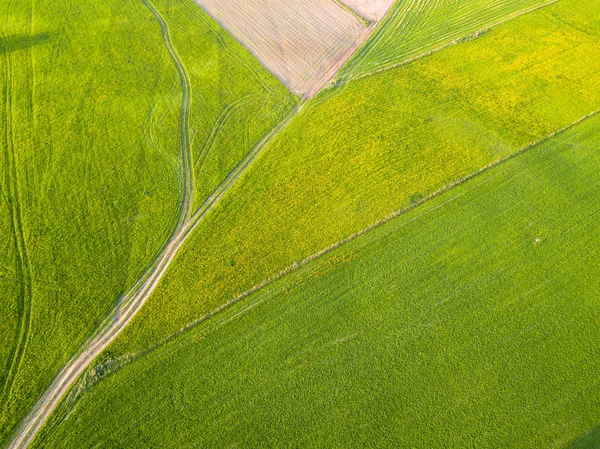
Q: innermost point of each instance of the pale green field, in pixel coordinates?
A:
(470, 321)
(359, 153)
(415, 27)
(92, 162)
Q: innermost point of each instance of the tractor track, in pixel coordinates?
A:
(22, 266)
(186, 104)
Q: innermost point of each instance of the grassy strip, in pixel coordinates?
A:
(467, 322)
(364, 21)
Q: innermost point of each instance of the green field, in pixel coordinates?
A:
(413, 28)
(408, 259)
(359, 153)
(470, 321)
(94, 142)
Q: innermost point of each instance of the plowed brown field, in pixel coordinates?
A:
(303, 42)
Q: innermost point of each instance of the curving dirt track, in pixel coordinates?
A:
(186, 103)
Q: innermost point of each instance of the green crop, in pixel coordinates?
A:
(470, 321)
(413, 28)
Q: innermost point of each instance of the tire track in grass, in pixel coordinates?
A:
(22, 266)
(184, 123)
(156, 115)
(222, 120)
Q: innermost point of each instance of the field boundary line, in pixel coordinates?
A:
(297, 265)
(321, 80)
(345, 80)
(223, 26)
(373, 39)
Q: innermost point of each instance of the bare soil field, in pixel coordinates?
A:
(373, 10)
(303, 42)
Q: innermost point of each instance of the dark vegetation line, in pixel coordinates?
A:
(22, 267)
(364, 21)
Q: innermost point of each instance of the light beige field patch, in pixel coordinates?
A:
(369, 9)
(303, 42)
